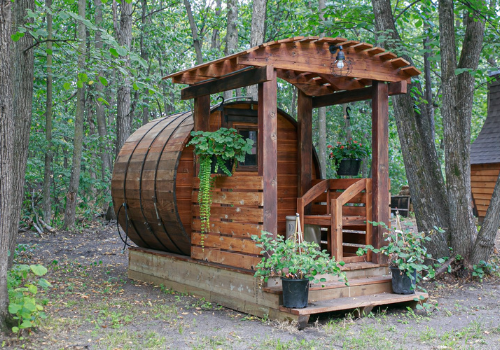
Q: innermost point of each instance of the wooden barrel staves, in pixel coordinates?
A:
(144, 184)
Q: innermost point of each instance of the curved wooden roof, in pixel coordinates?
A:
(306, 63)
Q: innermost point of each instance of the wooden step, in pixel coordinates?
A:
(338, 289)
(362, 302)
(326, 220)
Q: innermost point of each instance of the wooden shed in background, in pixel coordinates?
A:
(485, 152)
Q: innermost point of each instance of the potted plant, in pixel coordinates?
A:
(347, 156)
(298, 263)
(218, 149)
(407, 254)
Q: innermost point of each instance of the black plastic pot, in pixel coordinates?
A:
(295, 293)
(402, 283)
(229, 164)
(349, 167)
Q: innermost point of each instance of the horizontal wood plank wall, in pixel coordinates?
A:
(237, 211)
(483, 180)
(236, 214)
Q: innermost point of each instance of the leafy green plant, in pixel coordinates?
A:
(223, 145)
(405, 249)
(482, 269)
(24, 304)
(347, 150)
(290, 258)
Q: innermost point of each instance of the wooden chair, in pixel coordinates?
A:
(325, 205)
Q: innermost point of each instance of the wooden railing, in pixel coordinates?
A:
(334, 207)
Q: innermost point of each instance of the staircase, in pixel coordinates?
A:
(343, 207)
(369, 286)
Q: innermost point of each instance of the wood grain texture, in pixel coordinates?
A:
(268, 143)
(380, 163)
(305, 146)
(234, 81)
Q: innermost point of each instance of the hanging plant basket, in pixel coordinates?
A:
(349, 167)
(229, 164)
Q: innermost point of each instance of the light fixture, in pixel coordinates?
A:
(341, 66)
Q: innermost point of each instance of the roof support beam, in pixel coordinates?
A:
(396, 88)
(234, 81)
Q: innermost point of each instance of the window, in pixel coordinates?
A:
(251, 162)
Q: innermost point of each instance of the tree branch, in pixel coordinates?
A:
(406, 8)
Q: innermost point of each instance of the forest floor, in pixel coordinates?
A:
(93, 305)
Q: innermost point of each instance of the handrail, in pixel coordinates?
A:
(315, 192)
(351, 191)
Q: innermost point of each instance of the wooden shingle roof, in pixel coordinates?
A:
(306, 63)
(486, 148)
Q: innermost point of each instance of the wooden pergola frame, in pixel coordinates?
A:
(306, 63)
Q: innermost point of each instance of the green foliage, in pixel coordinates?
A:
(482, 269)
(290, 258)
(223, 144)
(24, 304)
(405, 249)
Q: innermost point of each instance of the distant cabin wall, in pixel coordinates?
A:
(483, 179)
(237, 211)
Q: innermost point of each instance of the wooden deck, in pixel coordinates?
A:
(238, 289)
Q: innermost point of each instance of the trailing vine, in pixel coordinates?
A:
(221, 145)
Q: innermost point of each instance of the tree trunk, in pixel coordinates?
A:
(428, 84)
(99, 110)
(145, 57)
(232, 34)
(322, 140)
(422, 164)
(257, 34)
(47, 204)
(215, 44)
(123, 120)
(322, 113)
(74, 182)
(456, 112)
(194, 32)
(6, 153)
(22, 106)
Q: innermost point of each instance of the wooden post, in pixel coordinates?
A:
(268, 148)
(304, 133)
(201, 116)
(201, 113)
(380, 164)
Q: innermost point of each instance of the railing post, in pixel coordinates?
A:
(336, 229)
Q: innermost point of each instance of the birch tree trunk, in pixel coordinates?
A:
(47, 203)
(257, 34)
(23, 100)
(123, 118)
(6, 150)
(231, 34)
(74, 182)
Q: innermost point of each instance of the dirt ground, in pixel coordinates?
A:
(93, 305)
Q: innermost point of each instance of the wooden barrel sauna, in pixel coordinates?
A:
(153, 177)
